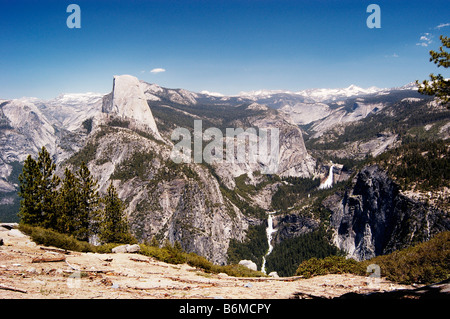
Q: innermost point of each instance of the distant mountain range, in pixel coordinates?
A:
(316, 95)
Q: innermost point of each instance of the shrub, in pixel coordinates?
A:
(237, 271)
(169, 254)
(329, 265)
(424, 263)
(49, 237)
(197, 261)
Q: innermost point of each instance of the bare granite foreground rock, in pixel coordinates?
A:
(16, 233)
(133, 248)
(126, 249)
(119, 249)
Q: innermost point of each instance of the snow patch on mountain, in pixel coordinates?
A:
(182, 96)
(257, 107)
(316, 95)
(260, 94)
(409, 86)
(329, 95)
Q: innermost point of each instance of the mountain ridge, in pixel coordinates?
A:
(317, 94)
(153, 89)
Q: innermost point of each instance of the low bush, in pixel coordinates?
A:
(238, 271)
(329, 265)
(234, 270)
(47, 237)
(424, 263)
(166, 254)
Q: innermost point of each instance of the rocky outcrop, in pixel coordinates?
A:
(374, 218)
(249, 264)
(128, 100)
(126, 249)
(28, 124)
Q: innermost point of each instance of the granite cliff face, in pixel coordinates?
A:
(290, 159)
(374, 218)
(128, 100)
(24, 125)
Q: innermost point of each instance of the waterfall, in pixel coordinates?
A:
(269, 232)
(329, 181)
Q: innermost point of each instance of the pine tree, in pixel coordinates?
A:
(47, 188)
(69, 204)
(90, 213)
(38, 189)
(438, 85)
(114, 227)
(29, 211)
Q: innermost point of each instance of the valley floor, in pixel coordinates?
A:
(27, 271)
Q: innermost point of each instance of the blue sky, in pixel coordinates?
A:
(223, 46)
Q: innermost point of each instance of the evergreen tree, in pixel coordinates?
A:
(73, 209)
(438, 85)
(29, 211)
(90, 213)
(69, 204)
(47, 188)
(38, 189)
(114, 227)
